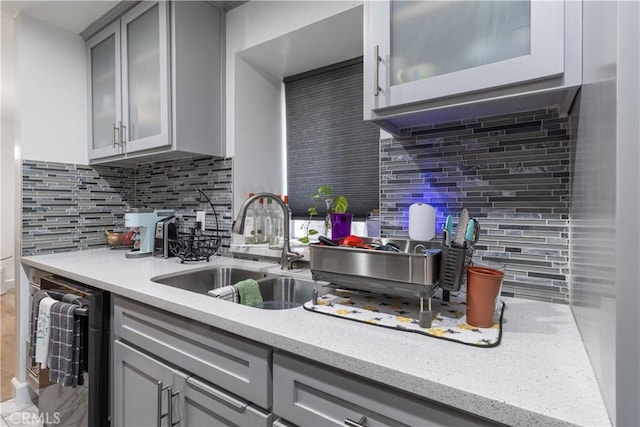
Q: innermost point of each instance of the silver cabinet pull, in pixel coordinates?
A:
(159, 405)
(114, 137)
(169, 412)
(376, 70)
(171, 396)
(123, 135)
(236, 403)
(362, 422)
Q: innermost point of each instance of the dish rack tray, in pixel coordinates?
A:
(411, 271)
(197, 247)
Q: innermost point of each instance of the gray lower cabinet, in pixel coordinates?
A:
(139, 398)
(214, 378)
(148, 392)
(167, 367)
(308, 394)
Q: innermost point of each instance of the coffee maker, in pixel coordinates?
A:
(145, 220)
(165, 231)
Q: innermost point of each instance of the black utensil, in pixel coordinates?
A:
(327, 242)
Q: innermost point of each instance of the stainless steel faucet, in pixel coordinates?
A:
(288, 256)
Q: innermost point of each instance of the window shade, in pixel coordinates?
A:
(328, 142)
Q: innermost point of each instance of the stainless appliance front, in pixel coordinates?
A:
(86, 404)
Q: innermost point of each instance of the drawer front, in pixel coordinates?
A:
(205, 405)
(239, 366)
(310, 394)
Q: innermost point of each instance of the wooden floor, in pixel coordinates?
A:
(7, 345)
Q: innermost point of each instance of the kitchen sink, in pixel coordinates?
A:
(203, 280)
(278, 292)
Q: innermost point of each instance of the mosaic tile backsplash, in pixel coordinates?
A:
(67, 207)
(511, 172)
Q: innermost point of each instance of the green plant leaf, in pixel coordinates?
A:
(303, 240)
(340, 204)
(312, 232)
(312, 211)
(324, 190)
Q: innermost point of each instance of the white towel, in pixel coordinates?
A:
(228, 293)
(43, 333)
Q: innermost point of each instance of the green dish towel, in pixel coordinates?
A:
(249, 292)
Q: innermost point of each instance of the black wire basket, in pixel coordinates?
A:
(198, 247)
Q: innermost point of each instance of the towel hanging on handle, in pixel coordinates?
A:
(35, 307)
(66, 335)
(227, 293)
(43, 331)
(249, 292)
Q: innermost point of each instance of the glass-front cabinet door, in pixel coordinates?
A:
(145, 76)
(425, 50)
(104, 92)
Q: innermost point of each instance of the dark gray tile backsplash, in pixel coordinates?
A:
(175, 184)
(511, 172)
(67, 207)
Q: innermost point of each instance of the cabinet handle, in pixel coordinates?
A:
(123, 134)
(116, 132)
(376, 70)
(362, 422)
(171, 396)
(159, 405)
(169, 412)
(238, 404)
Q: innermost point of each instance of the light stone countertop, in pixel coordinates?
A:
(538, 375)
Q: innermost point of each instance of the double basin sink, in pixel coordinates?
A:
(278, 292)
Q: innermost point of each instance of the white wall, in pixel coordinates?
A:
(52, 93)
(253, 98)
(255, 162)
(605, 264)
(7, 169)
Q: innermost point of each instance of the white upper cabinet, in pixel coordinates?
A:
(155, 84)
(423, 56)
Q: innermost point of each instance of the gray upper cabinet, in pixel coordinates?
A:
(422, 57)
(105, 103)
(155, 84)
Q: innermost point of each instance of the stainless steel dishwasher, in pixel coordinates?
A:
(86, 404)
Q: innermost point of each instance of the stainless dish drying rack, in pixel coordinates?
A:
(416, 269)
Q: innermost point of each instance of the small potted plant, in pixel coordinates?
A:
(337, 217)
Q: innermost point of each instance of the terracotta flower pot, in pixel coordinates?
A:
(483, 285)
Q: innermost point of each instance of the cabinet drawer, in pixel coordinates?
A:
(310, 394)
(239, 366)
(205, 405)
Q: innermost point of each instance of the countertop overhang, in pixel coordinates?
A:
(539, 375)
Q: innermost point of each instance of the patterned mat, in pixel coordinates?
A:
(398, 312)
